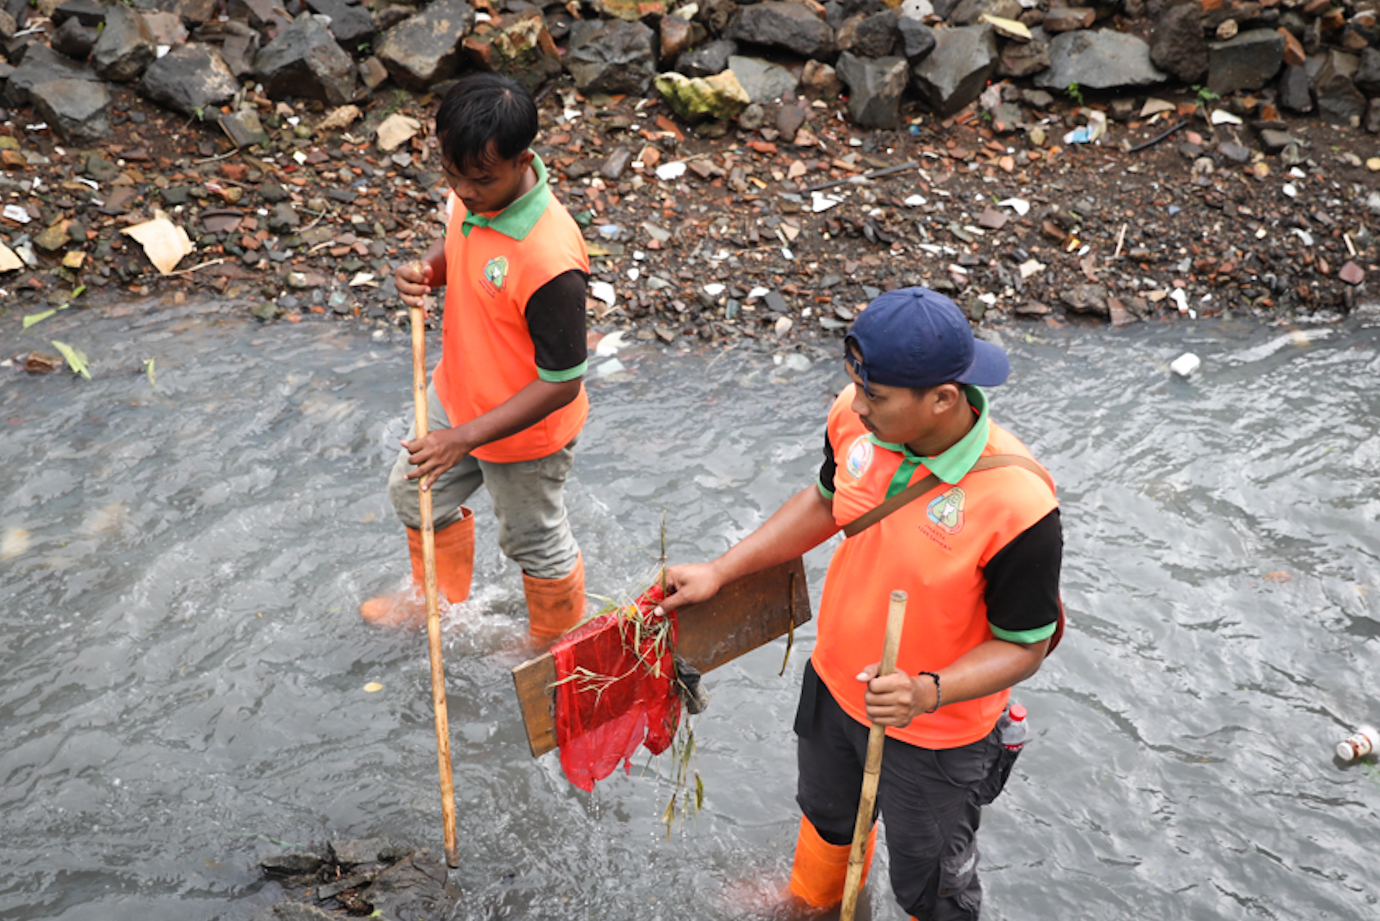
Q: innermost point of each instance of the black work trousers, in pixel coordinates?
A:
(931, 801)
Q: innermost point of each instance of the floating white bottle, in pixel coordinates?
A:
(1360, 743)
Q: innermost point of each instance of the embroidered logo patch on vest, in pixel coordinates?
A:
(859, 456)
(495, 274)
(946, 511)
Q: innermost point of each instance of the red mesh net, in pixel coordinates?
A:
(615, 691)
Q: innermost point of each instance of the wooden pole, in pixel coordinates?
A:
(433, 614)
(872, 770)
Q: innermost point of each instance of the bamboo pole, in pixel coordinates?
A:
(433, 615)
(872, 770)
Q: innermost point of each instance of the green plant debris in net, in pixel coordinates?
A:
(76, 358)
(648, 638)
(148, 372)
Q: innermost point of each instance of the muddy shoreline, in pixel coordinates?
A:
(702, 241)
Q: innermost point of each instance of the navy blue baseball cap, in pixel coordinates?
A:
(915, 337)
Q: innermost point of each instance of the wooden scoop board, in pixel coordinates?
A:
(745, 614)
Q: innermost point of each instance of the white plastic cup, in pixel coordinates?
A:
(1362, 742)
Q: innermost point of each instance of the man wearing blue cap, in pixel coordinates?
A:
(936, 500)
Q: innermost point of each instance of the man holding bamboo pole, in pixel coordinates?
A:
(507, 400)
(938, 501)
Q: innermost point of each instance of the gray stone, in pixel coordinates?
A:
(165, 28)
(791, 119)
(1328, 63)
(239, 48)
(1023, 59)
(425, 48)
(283, 218)
(708, 60)
(244, 128)
(272, 192)
(611, 57)
(970, 12)
(304, 61)
(1087, 299)
(1237, 153)
(789, 26)
(1273, 140)
(1372, 120)
(1295, 91)
(125, 48)
(1061, 18)
(77, 110)
(874, 36)
(40, 65)
(266, 15)
(715, 14)
(752, 118)
(874, 89)
(372, 73)
(1339, 101)
(350, 24)
(955, 73)
(7, 26)
(763, 80)
(189, 79)
(819, 81)
(1367, 76)
(1178, 46)
(74, 39)
(90, 13)
(189, 11)
(1100, 60)
(917, 39)
(1246, 62)
(100, 169)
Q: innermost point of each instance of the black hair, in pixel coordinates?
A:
(483, 109)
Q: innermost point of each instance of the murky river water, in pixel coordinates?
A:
(184, 669)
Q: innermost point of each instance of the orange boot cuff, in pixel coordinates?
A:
(555, 605)
(821, 868)
(454, 558)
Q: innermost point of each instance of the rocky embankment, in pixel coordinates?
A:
(755, 170)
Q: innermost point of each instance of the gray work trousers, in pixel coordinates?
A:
(529, 500)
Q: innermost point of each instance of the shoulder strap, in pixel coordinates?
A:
(920, 487)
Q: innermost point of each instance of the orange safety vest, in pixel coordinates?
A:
(934, 549)
(487, 354)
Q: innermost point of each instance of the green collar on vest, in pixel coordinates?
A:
(517, 220)
(954, 464)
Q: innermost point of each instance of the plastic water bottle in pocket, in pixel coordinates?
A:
(1014, 727)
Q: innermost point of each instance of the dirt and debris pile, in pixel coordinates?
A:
(372, 877)
(1118, 162)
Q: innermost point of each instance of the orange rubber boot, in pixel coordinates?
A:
(454, 572)
(555, 605)
(820, 868)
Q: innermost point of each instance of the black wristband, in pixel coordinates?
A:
(938, 692)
